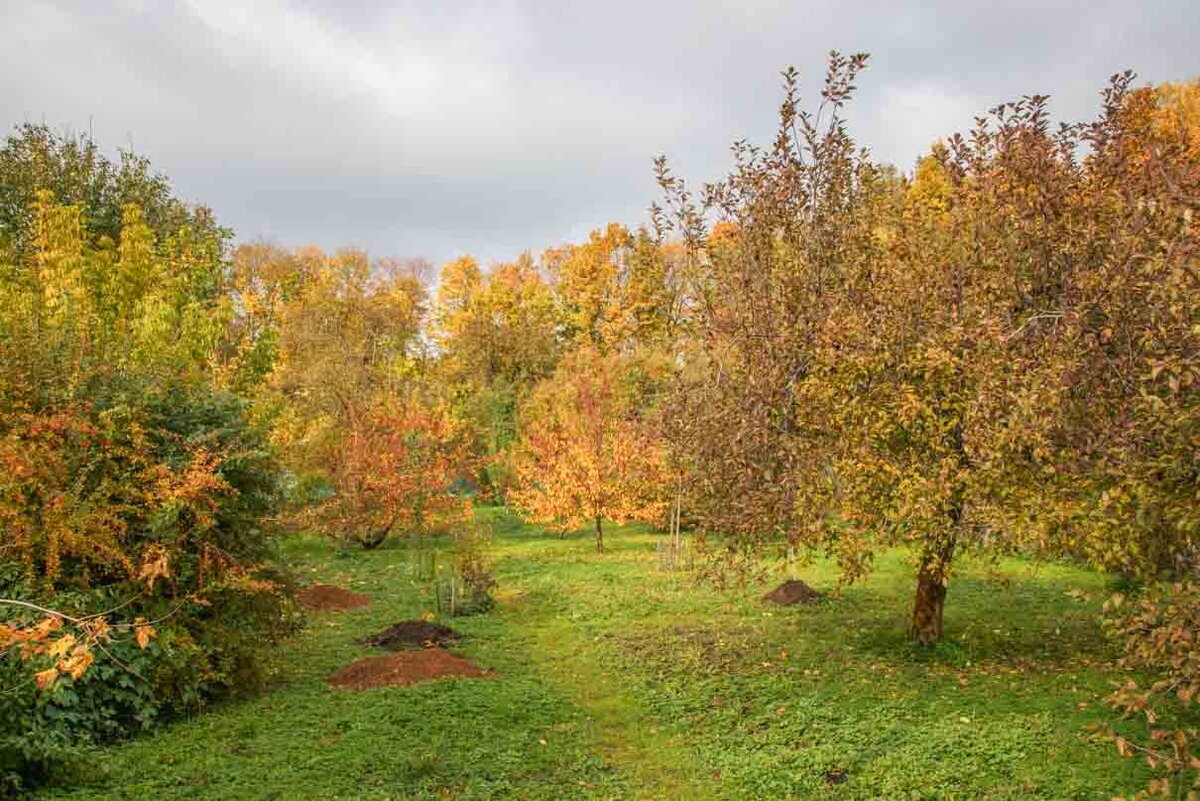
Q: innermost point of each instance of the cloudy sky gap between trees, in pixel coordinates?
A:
(434, 129)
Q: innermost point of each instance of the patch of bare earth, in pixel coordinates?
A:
(412, 634)
(328, 598)
(404, 668)
(793, 592)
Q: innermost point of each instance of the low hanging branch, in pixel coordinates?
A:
(67, 642)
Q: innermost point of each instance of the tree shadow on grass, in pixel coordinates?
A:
(1039, 621)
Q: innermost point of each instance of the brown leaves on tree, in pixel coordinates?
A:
(999, 351)
(1161, 635)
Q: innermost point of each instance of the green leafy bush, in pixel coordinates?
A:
(136, 576)
(215, 612)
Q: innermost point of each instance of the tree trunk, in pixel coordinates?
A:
(926, 627)
(599, 535)
(373, 540)
(930, 603)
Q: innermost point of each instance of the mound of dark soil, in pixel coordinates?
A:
(793, 592)
(328, 598)
(835, 777)
(404, 668)
(412, 634)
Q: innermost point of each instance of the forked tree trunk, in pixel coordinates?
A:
(374, 539)
(599, 535)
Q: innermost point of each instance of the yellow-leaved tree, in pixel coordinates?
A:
(587, 456)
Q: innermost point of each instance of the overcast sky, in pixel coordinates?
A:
(440, 128)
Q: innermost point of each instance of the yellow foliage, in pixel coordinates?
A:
(586, 457)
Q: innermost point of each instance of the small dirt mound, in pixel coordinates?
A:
(835, 777)
(404, 668)
(328, 598)
(412, 634)
(793, 592)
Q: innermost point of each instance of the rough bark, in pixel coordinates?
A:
(599, 535)
(930, 603)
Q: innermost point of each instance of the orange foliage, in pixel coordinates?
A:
(394, 468)
(78, 490)
(65, 645)
(586, 456)
(73, 488)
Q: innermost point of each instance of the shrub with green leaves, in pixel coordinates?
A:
(136, 580)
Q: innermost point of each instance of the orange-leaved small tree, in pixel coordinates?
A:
(394, 468)
(586, 457)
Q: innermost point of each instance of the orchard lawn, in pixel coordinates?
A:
(615, 679)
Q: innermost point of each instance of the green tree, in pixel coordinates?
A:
(75, 171)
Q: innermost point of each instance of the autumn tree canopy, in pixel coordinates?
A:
(587, 457)
(997, 351)
(935, 359)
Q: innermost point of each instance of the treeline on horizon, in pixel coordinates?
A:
(998, 352)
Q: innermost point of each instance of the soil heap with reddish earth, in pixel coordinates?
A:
(404, 668)
(328, 598)
(412, 634)
(793, 592)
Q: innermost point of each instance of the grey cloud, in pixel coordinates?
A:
(433, 129)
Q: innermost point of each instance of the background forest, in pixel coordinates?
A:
(818, 356)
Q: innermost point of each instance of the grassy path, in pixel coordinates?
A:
(461, 739)
(719, 696)
(619, 681)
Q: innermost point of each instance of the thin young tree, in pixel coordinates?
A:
(586, 457)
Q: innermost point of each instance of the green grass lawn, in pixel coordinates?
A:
(617, 680)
